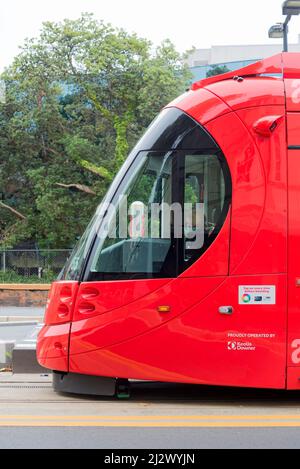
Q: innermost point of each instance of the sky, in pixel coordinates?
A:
(201, 23)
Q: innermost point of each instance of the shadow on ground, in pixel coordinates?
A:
(185, 393)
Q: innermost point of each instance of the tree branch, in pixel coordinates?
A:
(12, 210)
(98, 170)
(79, 187)
(92, 168)
(56, 153)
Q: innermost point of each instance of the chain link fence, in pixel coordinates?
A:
(31, 265)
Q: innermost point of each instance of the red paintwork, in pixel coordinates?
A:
(141, 316)
(293, 95)
(53, 347)
(271, 232)
(293, 122)
(189, 349)
(115, 329)
(251, 92)
(203, 106)
(290, 63)
(110, 296)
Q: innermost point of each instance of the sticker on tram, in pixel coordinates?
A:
(257, 295)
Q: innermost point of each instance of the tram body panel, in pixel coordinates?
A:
(203, 346)
(272, 234)
(249, 92)
(293, 125)
(248, 180)
(103, 330)
(290, 62)
(292, 86)
(202, 105)
(97, 298)
(53, 347)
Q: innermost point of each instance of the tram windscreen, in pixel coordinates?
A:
(137, 242)
(164, 210)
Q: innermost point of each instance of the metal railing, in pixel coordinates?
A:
(44, 264)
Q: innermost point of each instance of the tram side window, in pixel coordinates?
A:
(204, 202)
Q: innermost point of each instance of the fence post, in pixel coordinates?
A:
(4, 261)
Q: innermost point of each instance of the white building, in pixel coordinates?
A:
(234, 57)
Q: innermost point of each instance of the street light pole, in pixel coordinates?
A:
(286, 33)
(281, 30)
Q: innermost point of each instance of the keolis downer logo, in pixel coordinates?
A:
(231, 346)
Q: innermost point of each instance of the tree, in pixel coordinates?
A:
(217, 70)
(78, 98)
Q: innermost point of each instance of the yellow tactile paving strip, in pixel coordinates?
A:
(208, 421)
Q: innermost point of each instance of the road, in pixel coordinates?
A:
(156, 417)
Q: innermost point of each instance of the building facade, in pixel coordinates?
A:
(200, 61)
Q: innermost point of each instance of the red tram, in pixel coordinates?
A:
(225, 311)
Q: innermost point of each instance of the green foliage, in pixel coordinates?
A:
(12, 277)
(217, 70)
(78, 98)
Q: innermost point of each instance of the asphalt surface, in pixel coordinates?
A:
(156, 417)
(118, 439)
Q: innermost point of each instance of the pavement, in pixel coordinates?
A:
(15, 332)
(158, 416)
(17, 323)
(14, 314)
